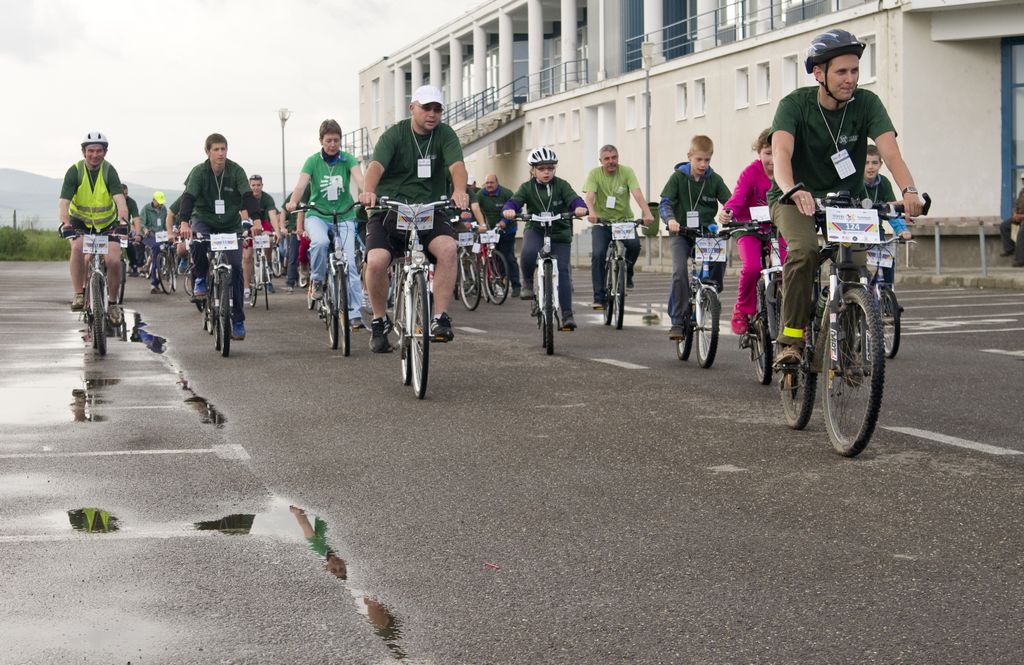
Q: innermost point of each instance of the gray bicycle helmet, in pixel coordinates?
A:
(830, 44)
(95, 138)
(542, 156)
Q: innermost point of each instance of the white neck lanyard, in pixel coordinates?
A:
(839, 132)
(425, 152)
(547, 208)
(689, 194)
(218, 182)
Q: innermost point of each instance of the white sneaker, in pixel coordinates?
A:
(247, 293)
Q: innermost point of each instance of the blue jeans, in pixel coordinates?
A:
(679, 295)
(200, 266)
(154, 252)
(601, 238)
(293, 260)
(319, 243)
(507, 247)
(533, 241)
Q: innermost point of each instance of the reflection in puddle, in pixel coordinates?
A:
(210, 414)
(82, 405)
(92, 520)
(295, 523)
(154, 343)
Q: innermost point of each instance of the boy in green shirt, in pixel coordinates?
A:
(692, 193)
(544, 192)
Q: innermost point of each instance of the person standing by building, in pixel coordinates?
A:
(1011, 248)
(487, 205)
(607, 190)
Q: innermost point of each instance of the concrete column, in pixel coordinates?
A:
(570, 75)
(400, 105)
(417, 73)
(653, 17)
(479, 59)
(435, 68)
(705, 24)
(506, 46)
(535, 35)
(455, 65)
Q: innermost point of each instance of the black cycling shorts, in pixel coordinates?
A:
(382, 234)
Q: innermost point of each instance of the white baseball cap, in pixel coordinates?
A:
(428, 94)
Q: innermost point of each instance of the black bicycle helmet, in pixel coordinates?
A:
(830, 44)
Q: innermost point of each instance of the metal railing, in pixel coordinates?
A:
(732, 22)
(358, 143)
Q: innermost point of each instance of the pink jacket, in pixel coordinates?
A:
(751, 190)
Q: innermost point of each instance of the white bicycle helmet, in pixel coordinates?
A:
(542, 156)
(95, 138)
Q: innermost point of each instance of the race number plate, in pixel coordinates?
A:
(92, 244)
(220, 242)
(421, 218)
(261, 241)
(882, 256)
(476, 248)
(466, 239)
(760, 214)
(710, 250)
(854, 225)
(624, 231)
(124, 242)
(489, 238)
(161, 236)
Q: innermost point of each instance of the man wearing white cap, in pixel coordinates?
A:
(410, 163)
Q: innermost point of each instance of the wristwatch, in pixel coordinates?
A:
(910, 190)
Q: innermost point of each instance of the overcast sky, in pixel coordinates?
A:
(158, 76)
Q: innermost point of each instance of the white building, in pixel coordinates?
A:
(570, 74)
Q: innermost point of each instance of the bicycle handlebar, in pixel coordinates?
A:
(886, 209)
(304, 207)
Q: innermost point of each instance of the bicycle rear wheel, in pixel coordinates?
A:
(708, 314)
(469, 280)
(685, 345)
(98, 294)
(889, 308)
(548, 312)
(760, 350)
(419, 346)
(497, 281)
(768, 301)
(797, 388)
(224, 315)
(619, 300)
(856, 377)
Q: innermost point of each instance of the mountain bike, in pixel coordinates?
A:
(166, 264)
(333, 308)
(216, 307)
(702, 316)
(880, 257)
(96, 245)
(468, 283)
(615, 270)
(851, 354)
(546, 307)
(259, 281)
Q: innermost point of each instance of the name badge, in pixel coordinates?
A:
(843, 163)
(760, 214)
(609, 202)
(218, 206)
(124, 242)
(161, 236)
(692, 219)
(332, 192)
(423, 167)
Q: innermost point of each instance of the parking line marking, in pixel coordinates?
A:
(471, 330)
(954, 441)
(960, 332)
(1004, 352)
(619, 363)
(231, 451)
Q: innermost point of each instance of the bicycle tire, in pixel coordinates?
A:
(331, 305)
(610, 270)
(469, 281)
(498, 283)
(856, 379)
(265, 279)
(403, 336)
(770, 304)
(420, 335)
(276, 267)
(619, 301)
(889, 308)
(224, 314)
(685, 345)
(161, 272)
(343, 317)
(760, 350)
(98, 293)
(172, 269)
(124, 280)
(707, 327)
(548, 312)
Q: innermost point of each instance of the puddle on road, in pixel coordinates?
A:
(210, 414)
(291, 523)
(154, 343)
(92, 520)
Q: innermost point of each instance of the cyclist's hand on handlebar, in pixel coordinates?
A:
(912, 204)
(581, 212)
(368, 199)
(906, 235)
(508, 214)
(725, 215)
(257, 228)
(184, 230)
(592, 218)
(673, 226)
(481, 228)
(804, 202)
(648, 218)
(461, 200)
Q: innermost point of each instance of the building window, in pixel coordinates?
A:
(630, 113)
(790, 74)
(528, 133)
(561, 128)
(742, 88)
(680, 101)
(375, 96)
(764, 83)
(1013, 122)
(699, 96)
(575, 125)
(868, 60)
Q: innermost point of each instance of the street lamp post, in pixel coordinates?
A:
(284, 114)
(647, 50)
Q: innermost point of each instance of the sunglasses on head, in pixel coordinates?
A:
(256, 177)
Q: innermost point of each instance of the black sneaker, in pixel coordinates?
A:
(675, 333)
(379, 342)
(629, 283)
(568, 323)
(441, 328)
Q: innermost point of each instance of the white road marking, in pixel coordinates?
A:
(1018, 354)
(973, 296)
(559, 406)
(471, 330)
(142, 407)
(960, 332)
(93, 537)
(968, 304)
(227, 451)
(726, 468)
(954, 441)
(231, 451)
(957, 317)
(619, 363)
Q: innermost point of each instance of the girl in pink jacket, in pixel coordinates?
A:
(751, 190)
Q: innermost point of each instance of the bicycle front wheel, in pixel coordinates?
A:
(276, 265)
(469, 280)
(548, 311)
(889, 308)
(98, 294)
(224, 315)
(331, 305)
(341, 298)
(619, 300)
(610, 271)
(856, 375)
(797, 388)
(162, 275)
(124, 279)
(708, 314)
(497, 281)
(419, 346)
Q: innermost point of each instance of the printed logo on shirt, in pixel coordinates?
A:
(328, 180)
(845, 139)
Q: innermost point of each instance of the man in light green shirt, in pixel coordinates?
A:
(607, 191)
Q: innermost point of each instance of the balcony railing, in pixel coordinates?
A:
(358, 143)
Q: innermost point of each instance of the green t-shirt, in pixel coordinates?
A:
(398, 151)
(800, 114)
(880, 191)
(175, 207)
(153, 219)
(207, 188)
(110, 177)
(491, 205)
(289, 217)
(555, 197)
(322, 176)
(266, 204)
(686, 194)
(619, 184)
(133, 207)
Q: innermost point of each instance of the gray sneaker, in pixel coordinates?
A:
(318, 290)
(526, 294)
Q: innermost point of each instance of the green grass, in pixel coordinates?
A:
(32, 245)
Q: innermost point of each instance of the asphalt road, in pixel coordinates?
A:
(288, 505)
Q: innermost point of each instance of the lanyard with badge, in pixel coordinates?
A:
(616, 183)
(841, 159)
(693, 216)
(551, 195)
(218, 205)
(423, 163)
(334, 184)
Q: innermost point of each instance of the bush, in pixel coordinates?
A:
(32, 245)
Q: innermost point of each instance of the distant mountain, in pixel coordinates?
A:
(35, 197)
